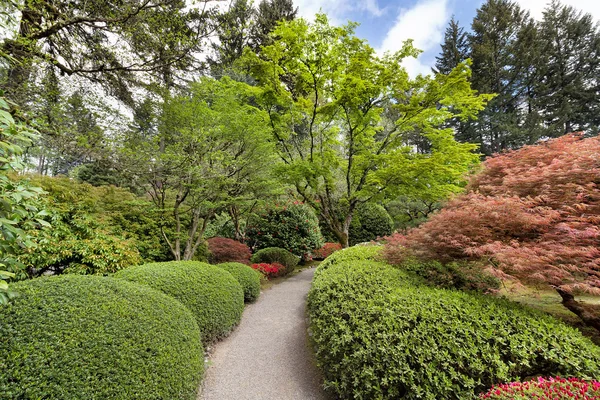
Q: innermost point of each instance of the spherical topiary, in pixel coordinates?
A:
(90, 337)
(370, 222)
(291, 226)
(276, 255)
(247, 277)
(212, 294)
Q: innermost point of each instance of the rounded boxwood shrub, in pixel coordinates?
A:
(276, 255)
(248, 278)
(350, 255)
(370, 221)
(212, 294)
(90, 337)
(378, 335)
(290, 226)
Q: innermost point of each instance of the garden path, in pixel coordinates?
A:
(268, 356)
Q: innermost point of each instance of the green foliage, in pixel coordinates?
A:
(208, 150)
(276, 255)
(248, 278)
(212, 294)
(452, 275)
(19, 208)
(352, 255)
(370, 221)
(352, 127)
(378, 335)
(290, 226)
(407, 212)
(95, 230)
(85, 337)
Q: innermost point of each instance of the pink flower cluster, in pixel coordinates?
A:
(545, 389)
(269, 270)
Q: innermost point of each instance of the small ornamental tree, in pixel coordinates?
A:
(290, 226)
(532, 214)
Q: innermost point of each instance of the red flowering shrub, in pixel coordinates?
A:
(545, 389)
(227, 250)
(325, 251)
(533, 214)
(269, 270)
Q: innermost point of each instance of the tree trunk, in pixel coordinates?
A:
(589, 314)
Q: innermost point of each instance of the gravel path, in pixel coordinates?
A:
(267, 357)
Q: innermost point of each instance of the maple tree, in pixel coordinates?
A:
(531, 214)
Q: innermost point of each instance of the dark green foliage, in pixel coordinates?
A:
(370, 221)
(86, 337)
(268, 14)
(248, 278)
(291, 226)
(212, 294)
(455, 48)
(272, 255)
(379, 335)
(453, 275)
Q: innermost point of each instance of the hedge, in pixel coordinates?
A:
(351, 254)
(276, 255)
(248, 278)
(370, 222)
(379, 335)
(90, 337)
(212, 294)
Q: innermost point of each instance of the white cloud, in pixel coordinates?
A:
(424, 23)
(336, 10)
(536, 7)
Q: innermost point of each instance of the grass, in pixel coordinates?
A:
(549, 302)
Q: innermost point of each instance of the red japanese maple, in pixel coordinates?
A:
(533, 214)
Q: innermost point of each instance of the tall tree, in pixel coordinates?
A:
(568, 85)
(455, 48)
(502, 44)
(342, 118)
(233, 28)
(115, 43)
(269, 13)
(210, 146)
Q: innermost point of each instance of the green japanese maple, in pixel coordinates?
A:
(352, 127)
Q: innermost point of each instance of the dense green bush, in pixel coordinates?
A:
(453, 275)
(248, 278)
(370, 221)
(351, 255)
(94, 230)
(378, 335)
(291, 226)
(212, 294)
(89, 337)
(276, 255)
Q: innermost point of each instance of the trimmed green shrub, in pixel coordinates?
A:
(290, 226)
(378, 335)
(90, 337)
(276, 255)
(212, 294)
(350, 255)
(370, 221)
(248, 278)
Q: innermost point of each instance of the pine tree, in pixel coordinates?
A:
(233, 28)
(502, 46)
(269, 13)
(569, 69)
(455, 48)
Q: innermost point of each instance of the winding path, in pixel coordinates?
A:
(268, 356)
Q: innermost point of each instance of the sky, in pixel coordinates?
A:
(385, 24)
